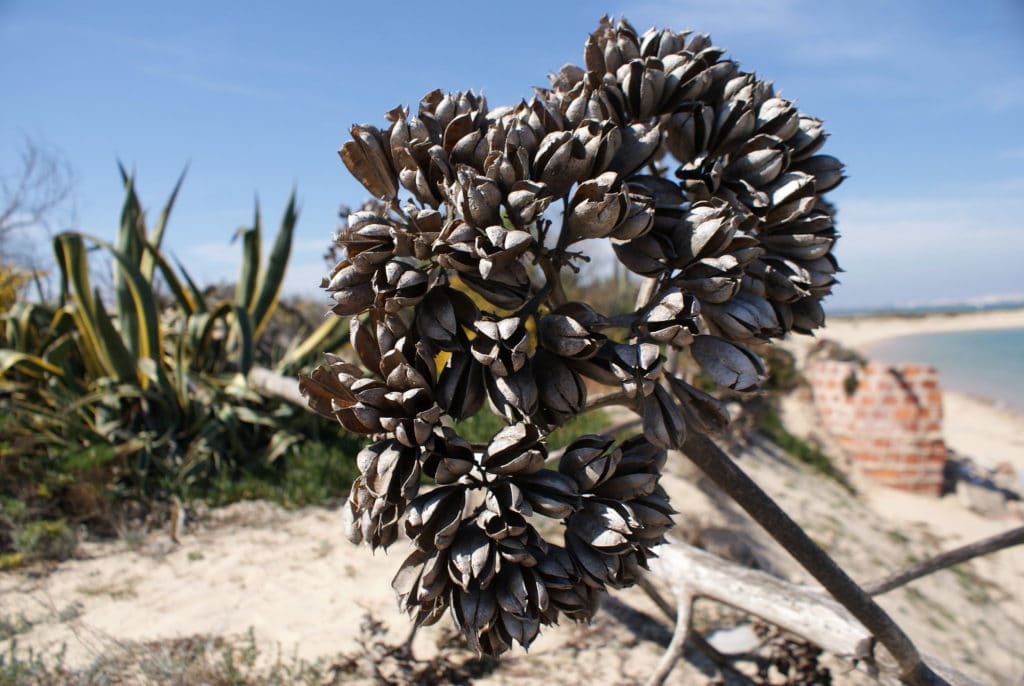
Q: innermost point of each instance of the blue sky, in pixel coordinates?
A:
(924, 101)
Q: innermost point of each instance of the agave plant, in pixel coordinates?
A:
(706, 182)
(160, 378)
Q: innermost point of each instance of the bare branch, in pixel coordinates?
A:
(611, 398)
(677, 646)
(949, 558)
(270, 383)
(30, 195)
(796, 608)
(554, 279)
(702, 451)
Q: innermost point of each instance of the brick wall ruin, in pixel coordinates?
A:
(887, 419)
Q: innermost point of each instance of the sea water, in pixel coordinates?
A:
(989, 364)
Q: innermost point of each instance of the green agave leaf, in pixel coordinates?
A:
(148, 262)
(244, 338)
(251, 416)
(144, 304)
(69, 249)
(184, 298)
(197, 295)
(280, 443)
(122, 359)
(273, 276)
(130, 239)
(330, 335)
(252, 242)
(191, 350)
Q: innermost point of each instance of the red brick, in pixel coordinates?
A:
(904, 413)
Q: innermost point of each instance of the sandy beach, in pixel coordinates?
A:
(292, 580)
(861, 332)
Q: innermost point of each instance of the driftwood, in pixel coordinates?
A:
(721, 469)
(802, 610)
(269, 383)
(798, 609)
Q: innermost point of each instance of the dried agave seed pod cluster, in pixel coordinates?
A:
(705, 181)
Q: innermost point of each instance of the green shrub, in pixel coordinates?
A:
(46, 539)
(140, 393)
(317, 472)
(783, 375)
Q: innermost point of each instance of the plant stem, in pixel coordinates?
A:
(947, 559)
(611, 398)
(554, 280)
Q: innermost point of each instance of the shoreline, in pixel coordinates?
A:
(862, 332)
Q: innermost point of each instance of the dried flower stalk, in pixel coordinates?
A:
(704, 180)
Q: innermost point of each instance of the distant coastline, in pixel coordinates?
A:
(860, 332)
(988, 304)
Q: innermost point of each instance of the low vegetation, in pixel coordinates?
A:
(120, 396)
(240, 661)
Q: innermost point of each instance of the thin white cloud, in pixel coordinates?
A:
(204, 83)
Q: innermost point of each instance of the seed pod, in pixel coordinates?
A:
(562, 159)
(590, 460)
(597, 208)
(640, 143)
(367, 160)
(448, 457)
(566, 336)
(501, 346)
(637, 367)
(434, 518)
(442, 316)
(703, 413)
(742, 318)
(515, 449)
(672, 319)
(561, 392)
(460, 386)
(728, 364)
(526, 202)
(515, 396)
(663, 421)
(550, 493)
(478, 198)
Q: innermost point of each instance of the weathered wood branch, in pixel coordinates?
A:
(268, 382)
(799, 609)
(949, 558)
(720, 468)
(677, 646)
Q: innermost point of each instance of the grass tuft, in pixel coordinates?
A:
(771, 425)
